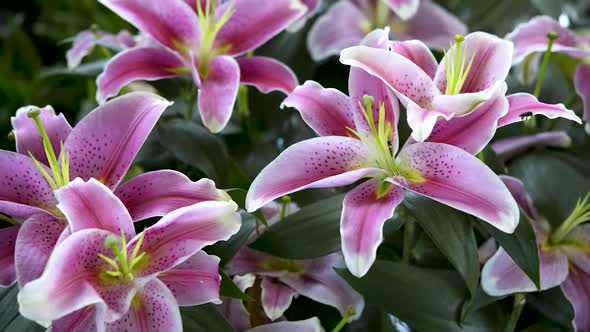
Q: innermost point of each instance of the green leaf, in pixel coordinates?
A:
(238, 195)
(204, 318)
(451, 231)
(10, 318)
(311, 232)
(480, 300)
(553, 304)
(426, 299)
(196, 146)
(226, 250)
(91, 69)
(521, 246)
(229, 289)
(554, 180)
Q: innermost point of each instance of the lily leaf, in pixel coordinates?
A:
(311, 232)
(229, 289)
(204, 318)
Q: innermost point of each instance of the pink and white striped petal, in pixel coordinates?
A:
(27, 136)
(218, 92)
(511, 147)
(361, 223)
(327, 111)
(8, 237)
(417, 52)
(154, 309)
(320, 162)
(267, 74)
(23, 189)
(141, 63)
(195, 281)
(84, 204)
(184, 232)
(456, 178)
(523, 105)
(36, 239)
(308, 325)
(501, 276)
(576, 289)
(104, 144)
(276, 297)
(248, 29)
(518, 191)
(154, 194)
(582, 85)
(405, 9)
(172, 23)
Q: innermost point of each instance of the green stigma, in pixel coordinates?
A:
(457, 70)
(579, 215)
(59, 169)
(124, 266)
(210, 27)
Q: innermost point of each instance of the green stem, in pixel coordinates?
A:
(519, 302)
(8, 220)
(349, 313)
(551, 37)
(286, 201)
(408, 241)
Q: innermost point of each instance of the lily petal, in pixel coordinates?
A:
(172, 23)
(433, 25)
(531, 37)
(308, 325)
(422, 121)
(248, 29)
(320, 162)
(472, 132)
(403, 8)
(84, 205)
(518, 191)
(218, 92)
(524, 105)
(456, 178)
(327, 111)
(196, 281)
(154, 309)
(154, 194)
(579, 258)
(71, 281)
(501, 276)
(23, 189)
(141, 63)
(104, 144)
(233, 310)
(417, 52)
(509, 148)
(36, 239)
(582, 84)
(80, 320)
(267, 74)
(7, 244)
(361, 224)
(328, 288)
(396, 71)
(276, 297)
(27, 136)
(184, 232)
(340, 27)
(492, 59)
(576, 288)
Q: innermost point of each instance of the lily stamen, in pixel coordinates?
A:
(209, 30)
(579, 215)
(457, 72)
(125, 266)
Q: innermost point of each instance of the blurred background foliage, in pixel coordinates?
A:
(34, 38)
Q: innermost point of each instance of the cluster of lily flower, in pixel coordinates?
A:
(79, 263)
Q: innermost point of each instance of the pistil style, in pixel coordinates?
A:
(457, 72)
(210, 27)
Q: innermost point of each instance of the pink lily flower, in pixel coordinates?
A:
(358, 141)
(531, 37)
(132, 282)
(284, 279)
(472, 72)
(347, 22)
(102, 146)
(563, 255)
(207, 42)
(509, 148)
(85, 41)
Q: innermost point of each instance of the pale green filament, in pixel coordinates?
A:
(350, 312)
(579, 215)
(457, 71)
(126, 266)
(381, 14)
(286, 200)
(209, 30)
(60, 172)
